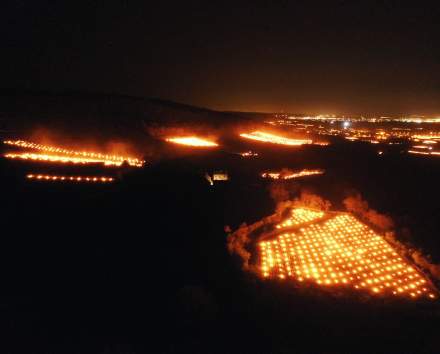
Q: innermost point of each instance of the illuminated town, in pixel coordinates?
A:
(415, 135)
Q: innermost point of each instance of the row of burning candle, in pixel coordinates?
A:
(61, 178)
(57, 154)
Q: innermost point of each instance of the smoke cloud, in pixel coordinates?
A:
(426, 264)
(360, 207)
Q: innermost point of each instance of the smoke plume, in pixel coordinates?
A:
(360, 207)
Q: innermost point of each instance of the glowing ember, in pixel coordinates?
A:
(274, 139)
(192, 141)
(338, 250)
(290, 175)
(57, 154)
(91, 179)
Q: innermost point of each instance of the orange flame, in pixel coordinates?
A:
(274, 139)
(435, 153)
(290, 175)
(192, 141)
(338, 250)
(57, 154)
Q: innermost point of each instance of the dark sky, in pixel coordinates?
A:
(298, 56)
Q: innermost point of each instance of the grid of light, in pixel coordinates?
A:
(341, 251)
(274, 139)
(91, 179)
(57, 154)
(300, 216)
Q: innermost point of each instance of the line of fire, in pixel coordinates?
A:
(288, 174)
(62, 155)
(68, 165)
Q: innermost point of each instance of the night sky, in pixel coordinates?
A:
(296, 56)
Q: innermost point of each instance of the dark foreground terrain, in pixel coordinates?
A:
(142, 265)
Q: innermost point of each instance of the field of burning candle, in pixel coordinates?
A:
(339, 251)
(153, 241)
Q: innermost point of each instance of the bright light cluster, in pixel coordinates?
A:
(57, 154)
(302, 173)
(300, 216)
(92, 179)
(274, 139)
(192, 141)
(341, 251)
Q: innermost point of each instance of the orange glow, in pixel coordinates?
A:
(422, 147)
(274, 139)
(192, 141)
(427, 137)
(290, 175)
(435, 153)
(57, 154)
(335, 249)
(85, 179)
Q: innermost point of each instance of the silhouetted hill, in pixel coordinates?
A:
(21, 109)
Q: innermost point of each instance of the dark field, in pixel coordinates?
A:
(142, 266)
